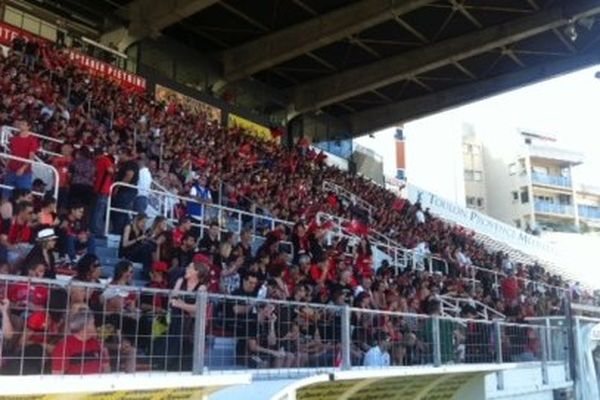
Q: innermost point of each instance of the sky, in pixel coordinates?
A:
(567, 108)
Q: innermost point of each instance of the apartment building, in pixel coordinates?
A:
(528, 179)
(474, 171)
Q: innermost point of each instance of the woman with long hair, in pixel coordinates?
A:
(136, 244)
(181, 328)
(88, 270)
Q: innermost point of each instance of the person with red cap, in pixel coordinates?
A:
(154, 302)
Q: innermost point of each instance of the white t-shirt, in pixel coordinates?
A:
(144, 181)
(376, 358)
(420, 217)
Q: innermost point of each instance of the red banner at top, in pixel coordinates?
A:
(8, 33)
(125, 79)
(100, 68)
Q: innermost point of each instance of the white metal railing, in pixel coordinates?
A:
(401, 257)
(7, 132)
(33, 163)
(483, 310)
(349, 196)
(235, 220)
(498, 275)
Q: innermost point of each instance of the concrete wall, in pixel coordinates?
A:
(434, 157)
(500, 152)
(474, 164)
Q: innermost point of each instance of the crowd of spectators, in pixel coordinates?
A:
(109, 135)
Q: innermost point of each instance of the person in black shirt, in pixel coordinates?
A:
(74, 237)
(343, 286)
(237, 311)
(260, 347)
(31, 53)
(123, 197)
(245, 245)
(184, 255)
(209, 244)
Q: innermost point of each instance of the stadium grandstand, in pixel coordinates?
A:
(166, 217)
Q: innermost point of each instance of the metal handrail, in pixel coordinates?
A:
(487, 310)
(37, 135)
(206, 207)
(36, 163)
(394, 249)
(7, 131)
(352, 197)
(524, 280)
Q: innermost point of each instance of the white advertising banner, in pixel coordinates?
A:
(481, 223)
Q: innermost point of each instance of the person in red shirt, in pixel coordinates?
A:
(62, 165)
(29, 296)
(184, 227)
(23, 145)
(81, 352)
(19, 236)
(510, 288)
(105, 170)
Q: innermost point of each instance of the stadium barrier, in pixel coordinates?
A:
(7, 132)
(140, 329)
(229, 219)
(34, 164)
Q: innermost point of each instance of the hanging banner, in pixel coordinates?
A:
(481, 223)
(438, 387)
(167, 95)
(125, 79)
(252, 128)
(161, 394)
(8, 33)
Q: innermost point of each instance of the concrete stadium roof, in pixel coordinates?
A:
(373, 63)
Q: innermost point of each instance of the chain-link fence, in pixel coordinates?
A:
(73, 327)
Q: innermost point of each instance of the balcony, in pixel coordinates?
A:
(552, 180)
(552, 208)
(590, 212)
(564, 156)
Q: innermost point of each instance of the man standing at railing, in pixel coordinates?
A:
(124, 196)
(105, 170)
(201, 193)
(23, 145)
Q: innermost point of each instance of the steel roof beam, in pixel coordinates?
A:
(152, 16)
(403, 111)
(283, 45)
(343, 85)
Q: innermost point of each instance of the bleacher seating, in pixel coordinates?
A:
(228, 167)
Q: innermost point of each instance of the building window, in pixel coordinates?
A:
(518, 223)
(524, 195)
(476, 150)
(470, 201)
(512, 169)
(471, 175)
(515, 195)
(564, 199)
(545, 199)
(467, 148)
(527, 141)
(540, 170)
(480, 202)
